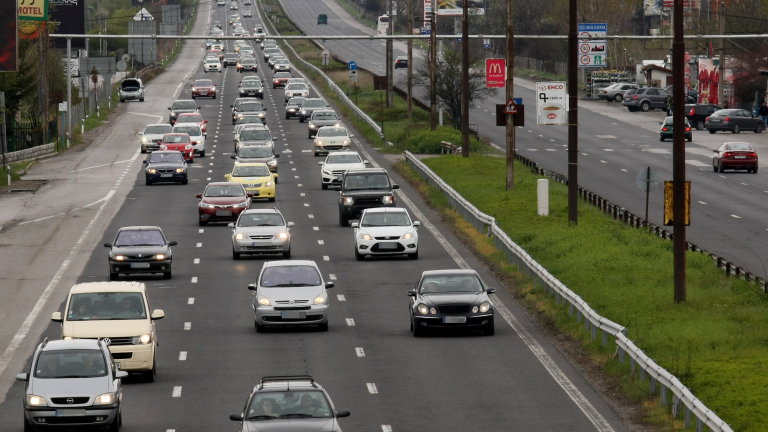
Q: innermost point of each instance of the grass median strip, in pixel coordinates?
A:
(716, 343)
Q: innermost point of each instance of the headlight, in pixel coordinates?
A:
(179, 170)
(268, 184)
(366, 237)
(68, 338)
(104, 399)
(321, 299)
(326, 172)
(311, 126)
(206, 205)
(242, 204)
(163, 147)
(337, 124)
(36, 400)
(432, 310)
(194, 89)
(345, 142)
(349, 200)
(160, 257)
(291, 110)
(173, 114)
(319, 143)
(143, 339)
(187, 147)
(423, 309)
(261, 114)
(281, 235)
(263, 300)
(303, 111)
(409, 235)
(474, 309)
(240, 236)
(389, 199)
(145, 140)
(485, 307)
(152, 171)
(272, 163)
(119, 257)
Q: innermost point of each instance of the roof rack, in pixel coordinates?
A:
(287, 379)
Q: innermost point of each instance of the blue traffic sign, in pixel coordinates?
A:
(352, 65)
(518, 101)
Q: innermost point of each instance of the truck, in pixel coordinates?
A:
(74, 61)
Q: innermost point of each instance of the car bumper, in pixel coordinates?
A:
(263, 192)
(175, 177)
(474, 320)
(150, 146)
(213, 69)
(206, 94)
(331, 179)
(387, 247)
(140, 267)
(129, 96)
(738, 164)
(272, 245)
(252, 94)
(718, 126)
(58, 418)
(134, 358)
(214, 215)
(291, 113)
(326, 148)
(273, 315)
(669, 135)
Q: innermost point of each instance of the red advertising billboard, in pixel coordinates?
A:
(495, 72)
(9, 35)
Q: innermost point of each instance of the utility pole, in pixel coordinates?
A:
(721, 79)
(573, 115)
(390, 70)
(678, 151)
(465, 80)
(410, 59)
(69, 89)
(433, 69)
(3, 140)
(510, 55)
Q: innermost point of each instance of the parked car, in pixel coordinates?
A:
(697, 114)
(667, 130)
(691, 97)
(131, 88)
(735, 156)
(734, 120)
(615, 92)
(645, 99)
(165, 166)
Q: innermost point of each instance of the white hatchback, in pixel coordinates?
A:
(196, 135)
(386, 231)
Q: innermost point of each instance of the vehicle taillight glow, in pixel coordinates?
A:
(634, 97)
(727, 119)
(687, 129)
(691, 112)
(664, 129)
(727, 154)
(706, 119)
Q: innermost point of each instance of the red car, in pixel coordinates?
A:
(280, 79)
(204, 88)
(219, 52)
(192, 118)
(222, 201)
(181, 143)
(735, 156)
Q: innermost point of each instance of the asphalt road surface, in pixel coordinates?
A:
(210, 356)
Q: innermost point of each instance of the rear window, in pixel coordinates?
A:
(723, 113)
(739, 147)
(165, 158)
(203, 83)
(256, 135)
(190, 130)
(184, 105)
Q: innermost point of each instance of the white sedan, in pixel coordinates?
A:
(386, 231)
(212, 65)
(336, 164)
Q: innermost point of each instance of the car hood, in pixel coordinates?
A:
(262, 230)
(344, 166)
(254, 160)
(293, 425)
(176, 146)
(167, 165)
(250, 179)
(65, 387)
(393, 231)
(324, 122)
(255, 143)
(292, 293)
(333, 139)
(366, 192)
(448, 298)
(311, 109)
(135, 250)
(223, 200)
(182, 111)
(153, 136)
(207, 88)
(106, 329)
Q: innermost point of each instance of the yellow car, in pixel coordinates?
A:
(256, 178)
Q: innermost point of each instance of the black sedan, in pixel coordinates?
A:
(734, 120)
(139, 250)
(451, 299)
(165, 166)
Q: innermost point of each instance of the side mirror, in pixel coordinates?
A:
(714, 151)
(342, 414)
(490, 290)
(109, 245)
(351, 136)
(227, 176)
(355, 225)
(411, 293)
(236, 417)
(157, 314)
(231, 106)
(145, 161)
(250, 194)
(395, 186)
(169, 108)
(199, 195)
(22, 377)
(56, 317)
(141, 133)
(321, 163)
(416, 223)
(230, 225)
(172, 243)
(329, 285)
(365, 161)
(290, 224)
(252, 287)
(206, 121)
(276, 156)
(121, 374)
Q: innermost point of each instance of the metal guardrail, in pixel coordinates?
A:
(683, 401)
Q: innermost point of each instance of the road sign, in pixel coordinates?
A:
(592, 52)
(458, 39)
(62, 107)
(669, 211)
(518, 101)
(121, 65)
(495, 73)
(95, 79)
(126, 58)
(326, 56)
(486, 43)
(353, 76)
(644, 183)
(550, 103)
(510, 108)
(352, 66)
(32, 12)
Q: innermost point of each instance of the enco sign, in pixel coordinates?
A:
(551, 103)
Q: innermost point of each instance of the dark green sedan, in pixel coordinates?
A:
(667, 127)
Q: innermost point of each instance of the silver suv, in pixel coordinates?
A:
(261, 231)
(290, 293)
(72, 383)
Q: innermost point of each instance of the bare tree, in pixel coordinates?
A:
(448, 84)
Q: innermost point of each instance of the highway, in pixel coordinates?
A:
(727, 210)
(209, 355)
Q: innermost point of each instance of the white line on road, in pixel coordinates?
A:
(197, 260)
(332, 276)
(320, 242)
(316, 228)
(326, 258)
(187, 326)
(603, 161)
(372, 388)
(702, 202)
(736, 217)
(340, 297)
(384, 428)
(194, 279)
(201, 230)
(199, 245)
(182, 355)
(311, 216)
(102, 165)
(350, 322)
(41, 219)
(359, 351)
(624, 170)
(176, 391)
(191, 300)
(306, 204)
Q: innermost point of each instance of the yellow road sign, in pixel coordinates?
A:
(669, 203)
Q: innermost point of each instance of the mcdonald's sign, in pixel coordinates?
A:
(495, 72)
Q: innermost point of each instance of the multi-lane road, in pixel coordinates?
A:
(614, 146)
(210, 356)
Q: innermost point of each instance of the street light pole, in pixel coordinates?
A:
(390, 71)
(410, 59)
(573, 115)
(678, 152)
(510, 55)
(433, 70)
(465, 80)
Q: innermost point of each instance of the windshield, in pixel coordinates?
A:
(281, 60)
(250, 171)
(104, 306)
(203, 83)
(343, 159)
(231, 56)
(166, 158)
(71, 364)
(296, 87)
(251, 107)
(176, 139)
(386, 219)
(192, 118)
(254, 151)
(224, 191)
(260, 219)
(324, 116)
(251, 84)
(283, 75)
(184, 105)
(249, 119)
(295, 101)
(257, 135)
(451, 283)
(140, 237)
(157, 130)
(366, 181)
(313, 104)
(290, 276)
(289, 404)
(331, 132)
(191, 130)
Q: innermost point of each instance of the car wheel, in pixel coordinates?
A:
(148, 182)
(699, 125)
(310, 136)
(324, 186)
(301, 119)
(490, 329)
(113, 276)
(122, 100)
(143, 151)
(287, 254)
(618, 98)
(27, 427)
(714, 167)
(115, 426)
(235, 255)
(690, 138)
(271, 199)
(202, 223)
(645, 107)
(317, 154)
(418, 331)
(185, 181)
(287, 117)
(142, 99)
(720, 167)
(167, 275)
(632, 109)
(149, 376)
(414, 256)
(357, 255)
(193, 98)
(759, 128)
(411, 329)
(202, 153)
(213, 97)
(661, 138)
(323, 327)
(259, 328)
(736, 129)
(343, 221)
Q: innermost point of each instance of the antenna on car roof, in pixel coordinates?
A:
(45, 342)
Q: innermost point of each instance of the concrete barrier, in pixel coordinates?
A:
(37, 152)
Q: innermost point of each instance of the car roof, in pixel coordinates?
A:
(386, 210)
(366, 170)
(321, 111)
(262, 210)
(237, 164)
(286, 263)
(71, 344)
(176, 133)
(345, 153)
(157, 124)
(184, 100)
(448, 272)
(91, 287)
(224, 184)
(164, 152)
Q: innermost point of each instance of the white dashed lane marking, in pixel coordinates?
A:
(340, 297)
(194, 279)
(326, 258)
(199, 245)
(197, 260)
(176, 391)
(332, 276)
(702, 202)
(320, 242)
(311, 216)
(350, 322)
(372, 388)
(201, 230)
(191, 300)
(736, 217)
(187, 326)
(316, 228)
(359, 351)
(182, 355)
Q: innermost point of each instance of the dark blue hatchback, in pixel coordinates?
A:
(165, 166)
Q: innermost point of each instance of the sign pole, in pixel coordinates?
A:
(3, 143)
(69, 89)
(390, 71)
(433, 70)
(647, 193)
(510, 55)
(678, 153)
(465, 80)
(410, 59)
(573, 117)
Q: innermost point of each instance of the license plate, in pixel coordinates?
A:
(223, 212)
(454, 320)
(139, 265)
(293, 314)
(203, 92)
(166, 175)
(387, 245)
(739, 157)
(70, 413)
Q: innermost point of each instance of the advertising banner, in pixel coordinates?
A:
(9, 35)
(454, 7)
(652, 7)
(69, 16)
(551, 106)
(495, 72)
(33, 10)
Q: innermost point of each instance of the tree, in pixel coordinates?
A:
(448, 85)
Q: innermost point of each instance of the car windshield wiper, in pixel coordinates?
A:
(294, 285)
(261, 417)
(296, 415)
(266, 225)
(147, 244)
(74, 376)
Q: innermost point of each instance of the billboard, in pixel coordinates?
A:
(9, 34)
(652, 7)
(69, 17)
(495, 72)
(33, 10)
(551, 108)
(454, 7)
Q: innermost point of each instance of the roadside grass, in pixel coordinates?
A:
(18, 169)
(539, 75)
(716, 343)
(352, 11)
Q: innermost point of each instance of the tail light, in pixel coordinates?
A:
(706, 119)
(727, 119)
(691, 112)
(687, 129)
(634, 97)
(727, 154)
(664, 129)
(752, 155)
